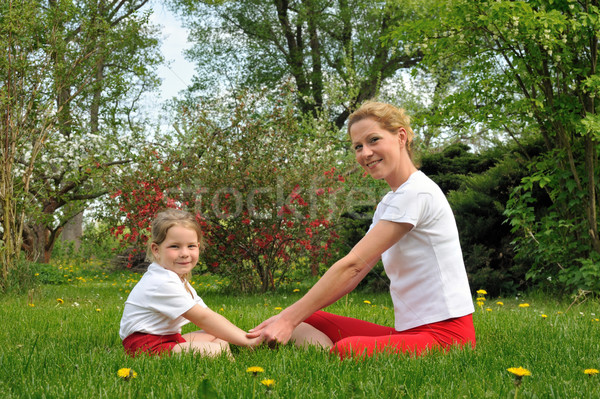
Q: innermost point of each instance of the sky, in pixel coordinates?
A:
(177, 75)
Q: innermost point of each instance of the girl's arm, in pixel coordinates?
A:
(341, 278)
(217, 325)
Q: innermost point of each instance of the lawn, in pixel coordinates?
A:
(61, 341)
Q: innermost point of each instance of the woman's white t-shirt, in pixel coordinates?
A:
(428, 280)
(157, 302)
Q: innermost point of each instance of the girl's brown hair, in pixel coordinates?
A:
(389, 118)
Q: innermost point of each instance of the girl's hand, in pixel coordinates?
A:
(252, 342)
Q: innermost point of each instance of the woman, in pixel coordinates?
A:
(414, 234)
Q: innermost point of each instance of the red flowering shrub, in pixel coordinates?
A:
(262, 184)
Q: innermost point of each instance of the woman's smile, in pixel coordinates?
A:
(372, 164)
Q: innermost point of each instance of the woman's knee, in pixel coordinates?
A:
(306, 335)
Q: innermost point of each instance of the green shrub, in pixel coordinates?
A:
(551, 234)
(28, 274)
(485, 236)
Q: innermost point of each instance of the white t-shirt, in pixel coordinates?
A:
(157, 302)
(428, 280)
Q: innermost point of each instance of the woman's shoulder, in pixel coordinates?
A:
(420, 183)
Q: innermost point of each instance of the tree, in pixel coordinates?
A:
(24, 119)
(530, 68)
(332, 51)
(101, 57)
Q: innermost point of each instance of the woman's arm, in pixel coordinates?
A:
(341, 278)
(217, 325)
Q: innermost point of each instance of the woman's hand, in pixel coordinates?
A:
(275, 330)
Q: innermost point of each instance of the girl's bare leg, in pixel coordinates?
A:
(204, 343)
(306, 335)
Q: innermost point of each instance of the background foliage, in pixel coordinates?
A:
(502, 94)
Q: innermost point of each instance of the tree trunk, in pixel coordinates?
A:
(73, 230)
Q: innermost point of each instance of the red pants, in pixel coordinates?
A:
(153, 344)
(354, 337)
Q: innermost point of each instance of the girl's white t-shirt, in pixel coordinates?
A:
(428, 280)
(157, 302)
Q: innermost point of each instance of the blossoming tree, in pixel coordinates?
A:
(81, 67)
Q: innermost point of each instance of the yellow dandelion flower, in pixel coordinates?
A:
(482, 292)
(59, 300)
(37, 274)
(126, 374)
(98, 309)
(519, 371)
(523, 305)
(268, 383)
(296, 289)
(482, 299)
(367, 302)
(255, 370)
(488, 309)
(500, 303)
(591, 372)
(544, 316)
(278, 308)
(32, 304)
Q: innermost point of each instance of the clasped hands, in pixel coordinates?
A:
(273, 331)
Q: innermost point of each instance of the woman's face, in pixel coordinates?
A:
(377, 150)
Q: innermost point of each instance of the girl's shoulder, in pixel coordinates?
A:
(157, 276)
(155, 285)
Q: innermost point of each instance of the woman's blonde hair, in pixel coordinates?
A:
(389, 118)
(164, 221)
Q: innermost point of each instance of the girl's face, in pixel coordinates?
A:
(378, 151)
(179, 251)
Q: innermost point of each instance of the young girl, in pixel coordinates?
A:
(163, 300)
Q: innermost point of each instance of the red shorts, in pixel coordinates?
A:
(150, 343)
(354, 337)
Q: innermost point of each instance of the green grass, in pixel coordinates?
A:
(72, 349)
